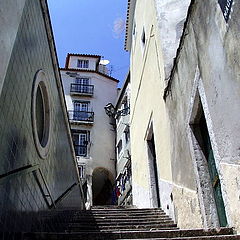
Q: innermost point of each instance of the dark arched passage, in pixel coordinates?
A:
(102, 186)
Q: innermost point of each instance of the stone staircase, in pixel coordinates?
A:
(118, 223)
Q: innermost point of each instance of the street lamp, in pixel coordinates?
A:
(112, 112)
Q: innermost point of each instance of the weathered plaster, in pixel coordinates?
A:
(232, 188)
(186, 208)
(206, 199)
(171, 15)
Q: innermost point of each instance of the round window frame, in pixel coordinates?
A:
(40, 81)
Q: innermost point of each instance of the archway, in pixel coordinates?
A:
(102, 183)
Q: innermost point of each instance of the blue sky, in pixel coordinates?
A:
(91, 27)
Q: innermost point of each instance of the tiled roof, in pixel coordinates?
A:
(127, 21)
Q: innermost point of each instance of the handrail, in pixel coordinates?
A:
(34, 168)
(65, 193)
(19, 171)
(42, 190)
(81, 116)
(81, 88)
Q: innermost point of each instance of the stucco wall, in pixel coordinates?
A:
(20, 195)
(147, 106)
(212, 46)
(102, 138)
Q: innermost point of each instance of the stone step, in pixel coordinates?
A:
(76, 217)
(125, 210)
(117, 221)
(122, 214)
(222, 237)
(150, 226)
(194, 234)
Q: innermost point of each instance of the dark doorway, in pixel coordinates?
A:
(202, 135)
(153, 170)
(102, 187)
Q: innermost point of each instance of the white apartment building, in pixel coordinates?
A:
(88, 88)
(123, 145)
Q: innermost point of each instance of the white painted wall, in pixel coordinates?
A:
(102, 136)
(73, 62)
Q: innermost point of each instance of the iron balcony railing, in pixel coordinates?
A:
(80, 150)
(81, 88)
(81, 116)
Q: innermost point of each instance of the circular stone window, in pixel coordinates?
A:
(41, 114)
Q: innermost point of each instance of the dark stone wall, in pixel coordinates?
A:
(21, 198)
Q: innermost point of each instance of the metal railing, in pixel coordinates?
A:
(81, 88)
(41, 182)
(81, 116)
(80, 150)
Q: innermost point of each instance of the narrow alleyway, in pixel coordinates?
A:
(119, 223)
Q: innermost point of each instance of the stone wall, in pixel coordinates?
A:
(209, 49)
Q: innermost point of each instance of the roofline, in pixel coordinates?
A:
(89, 71)
(80, 55)
(121, 93)
(129, 24)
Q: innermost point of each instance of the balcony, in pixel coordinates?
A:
(81, 117)
(80, 150)
(81, 89)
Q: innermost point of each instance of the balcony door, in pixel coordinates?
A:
(81, 106)
(82, 85)
(80, 111)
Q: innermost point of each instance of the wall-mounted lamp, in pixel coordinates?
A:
(112, 112)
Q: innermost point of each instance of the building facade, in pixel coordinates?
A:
(184, 119)
(123, 145)
(38, 171)
(88, 88)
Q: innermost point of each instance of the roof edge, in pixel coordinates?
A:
(129, 24)
(89, 70)
(80, 55)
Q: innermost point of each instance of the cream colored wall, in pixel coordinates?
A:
(148, 106)
(178, 199)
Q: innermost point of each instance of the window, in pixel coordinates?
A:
(80, 141)
(41, 114)
(81, 111)
(82, 63)
(143, 39)
(119, 147)
(134, 29)
(81, 169)
(127, 134)
(82, 85)
(81, 106)
(83, 81)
